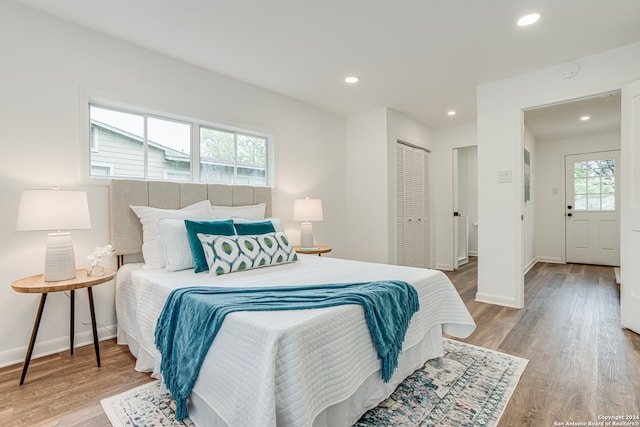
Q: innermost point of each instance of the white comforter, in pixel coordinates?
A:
(285, 367)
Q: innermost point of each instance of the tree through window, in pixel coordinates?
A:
(594, 185)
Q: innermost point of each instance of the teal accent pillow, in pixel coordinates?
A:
(226, 254)
(253, 228)
(221, 228)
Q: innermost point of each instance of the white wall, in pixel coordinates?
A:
(500, 142)
(367, 176)
(550, 191)
(46, 65)
(445, 140)
(371, 180)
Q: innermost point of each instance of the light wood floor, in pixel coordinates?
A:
(65, 390)
(581, 363)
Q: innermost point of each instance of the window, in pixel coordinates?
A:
(101, 170)
(168, 149)
(121, 142)
(232, 157)
(594, 185)
(149, 146)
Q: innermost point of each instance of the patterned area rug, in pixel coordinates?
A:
(467, 386)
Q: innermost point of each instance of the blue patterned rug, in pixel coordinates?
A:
(467, 386)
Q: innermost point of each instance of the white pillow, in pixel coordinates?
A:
(277, 224)
(152, 250)
(175, 244)
(253, 212)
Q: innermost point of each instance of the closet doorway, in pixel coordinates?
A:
(412, 204)
(465, 204)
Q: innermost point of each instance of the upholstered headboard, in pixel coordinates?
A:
(126, 230)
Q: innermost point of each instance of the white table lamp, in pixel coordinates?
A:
(55, 210)
(307, 210)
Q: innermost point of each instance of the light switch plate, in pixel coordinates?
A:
(504, 177)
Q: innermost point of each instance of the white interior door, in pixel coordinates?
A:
(593, 208)
(460, 169)
(463, 209)
(456, 209)
(630, 209)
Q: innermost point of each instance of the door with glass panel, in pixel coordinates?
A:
(593, 208)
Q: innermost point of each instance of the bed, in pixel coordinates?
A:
(280, 368)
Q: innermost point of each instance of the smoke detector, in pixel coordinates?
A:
(568, 70)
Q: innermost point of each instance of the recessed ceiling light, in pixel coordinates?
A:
(585, 118)
(351, 79)
(451, 112)
(528, 19)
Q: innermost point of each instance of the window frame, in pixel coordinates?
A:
(236, 165)
(196, 124)
(600, 195)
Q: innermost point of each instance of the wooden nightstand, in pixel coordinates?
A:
(37, 285)
(317, 249)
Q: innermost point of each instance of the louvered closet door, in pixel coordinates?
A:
(412, 206)
(426, 219)
(415, 243)
(401, 253)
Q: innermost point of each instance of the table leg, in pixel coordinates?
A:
(93, 325)
(34, 333)
(72, 319)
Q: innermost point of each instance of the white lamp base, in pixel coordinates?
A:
(59, 259)
(306, 235)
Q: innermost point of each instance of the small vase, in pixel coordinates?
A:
(96, 270)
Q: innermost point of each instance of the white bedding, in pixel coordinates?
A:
(290, 368)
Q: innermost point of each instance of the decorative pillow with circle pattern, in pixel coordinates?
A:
(226, 254)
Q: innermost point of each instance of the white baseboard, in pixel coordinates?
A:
(445, 267)
(552, 260)
(16, 355)
(530, 265)
(496, 299)
(473, 253)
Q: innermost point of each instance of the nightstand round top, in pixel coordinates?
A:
(37, 285)
(315, 250)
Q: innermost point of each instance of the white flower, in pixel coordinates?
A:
(99, 253)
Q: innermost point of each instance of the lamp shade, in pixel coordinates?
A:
(307, 210)
(53, 210)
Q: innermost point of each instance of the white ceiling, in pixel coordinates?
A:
(562, 121)
(420, 57)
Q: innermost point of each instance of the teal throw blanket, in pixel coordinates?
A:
(192, 317)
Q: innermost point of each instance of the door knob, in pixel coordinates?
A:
(569, 214)
(569, 207)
